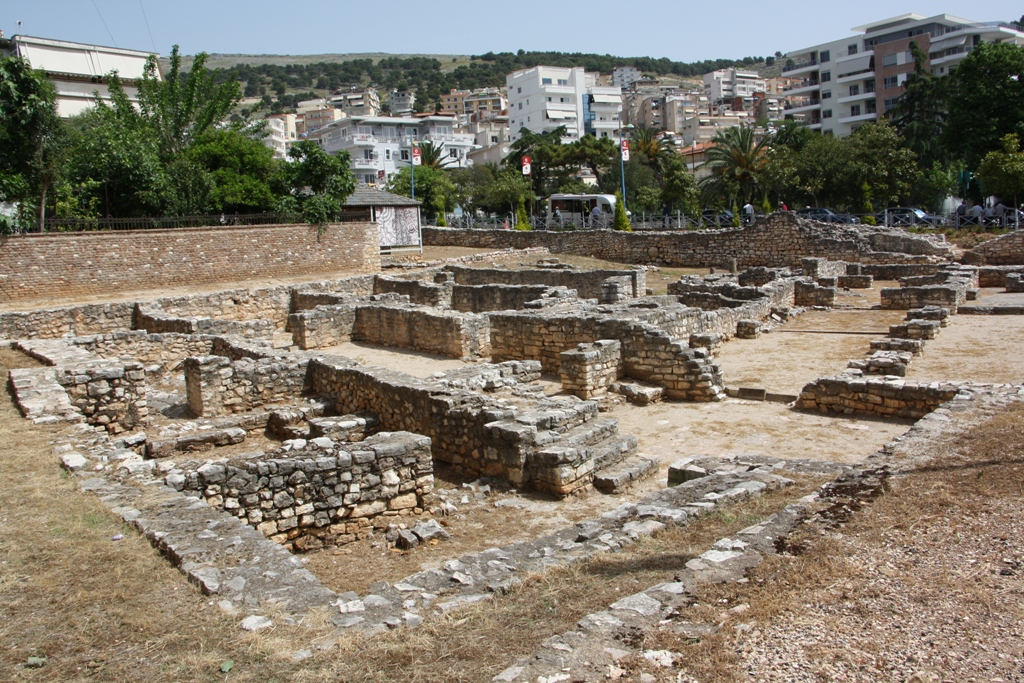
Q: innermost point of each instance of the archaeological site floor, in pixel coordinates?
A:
(522, 466)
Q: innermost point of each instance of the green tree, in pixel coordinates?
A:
(679, 191)
(319, 181)
(920, 113)
(932, 187)
(433, 188)
(522, 220)
(824, 172)
(986, 101)
(181, 109)
(33, 141)
(510, 187)
(736, 162)
(593, 153)
(648, 143)
(881, 160)
(621, 221)
(241, 170)
(639, 175)
(1002, 172)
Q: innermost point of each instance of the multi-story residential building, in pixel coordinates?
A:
(281, 134)
(485, 104)
(702, 126)
(492, 139)
(725, 85)
(381, 145)
(845, 83)
(624, 76)
(79, 71)
(545, 97)
(453, 104)
(401, 102)
(311, 120)
(681, 107)
(357, 102)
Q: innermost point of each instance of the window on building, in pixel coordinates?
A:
(825, 55)
(453, 154)
(855, 110)
(369, 178)
(563, 81)
(870, 107)
(854, 89)
(890, 82)
(889, 60)
(387, 155)
(519, 91)
(549, 99)
(890, 102)
(545, 81)
(367, 153)
(494, 139)
(851, 49)
(826, 113)
(826, 76)
(405, 155)
(520, 106)
(869, 86)
(825, 94)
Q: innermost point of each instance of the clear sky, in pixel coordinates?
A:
(686, 31)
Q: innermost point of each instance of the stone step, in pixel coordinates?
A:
(613, 451)
(349, 428)
(578, 444)
(638, 394)
(618, 477)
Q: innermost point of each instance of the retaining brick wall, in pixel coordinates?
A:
(74, 264)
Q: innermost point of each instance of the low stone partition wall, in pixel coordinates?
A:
(157, 321)
(820, 267)
(995, 276)
(323, 326)
(903, 298)
(485, 298)
(1004, 250)
(587, 283)
(915, 329)
(589, 369)
(111, 394)
(418, 291)
(855, 395)
(760, 275)
(166, 350)
(687, 374)
(810, 293)
(896, 271)
(1015, 282)
(855, 281)
(432, 330)
(780, 240)
(215, 386)
(321, 493)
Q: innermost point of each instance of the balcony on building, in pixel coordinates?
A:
(801, 105)
(803, 87)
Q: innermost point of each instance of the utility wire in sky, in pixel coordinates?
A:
(104, 21)
(142, 7)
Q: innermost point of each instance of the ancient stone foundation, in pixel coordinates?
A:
(851, 394)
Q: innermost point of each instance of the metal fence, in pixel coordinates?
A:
(677, 221)
(61, 225)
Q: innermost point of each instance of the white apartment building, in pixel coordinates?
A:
(381, 145)
(545, 97)
(726, 85)
(845, 83)
(357, 102)
(78, 71)
(401, 102)
(624, 76)
(281, 134)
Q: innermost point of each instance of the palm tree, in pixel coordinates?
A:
(433, 155)
(736, 162)
(646, 143)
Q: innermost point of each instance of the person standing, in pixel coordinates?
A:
(748, 214)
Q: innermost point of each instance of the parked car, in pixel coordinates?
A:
(723, 217)
(826, 215)
(906, 217)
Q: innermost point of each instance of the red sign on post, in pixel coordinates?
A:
(526, 165)
(417, 156)
(625, 150)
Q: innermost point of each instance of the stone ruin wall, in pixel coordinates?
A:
(780, 240)
(849, 395)
(216, 386)
(432, 330)
(323, 493)
(1005, 250)
(587, 283)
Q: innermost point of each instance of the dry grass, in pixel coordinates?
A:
(951, 507)
(109, 610)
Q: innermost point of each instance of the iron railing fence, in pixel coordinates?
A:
(71, 225)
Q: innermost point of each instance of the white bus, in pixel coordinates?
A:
(577, 207)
